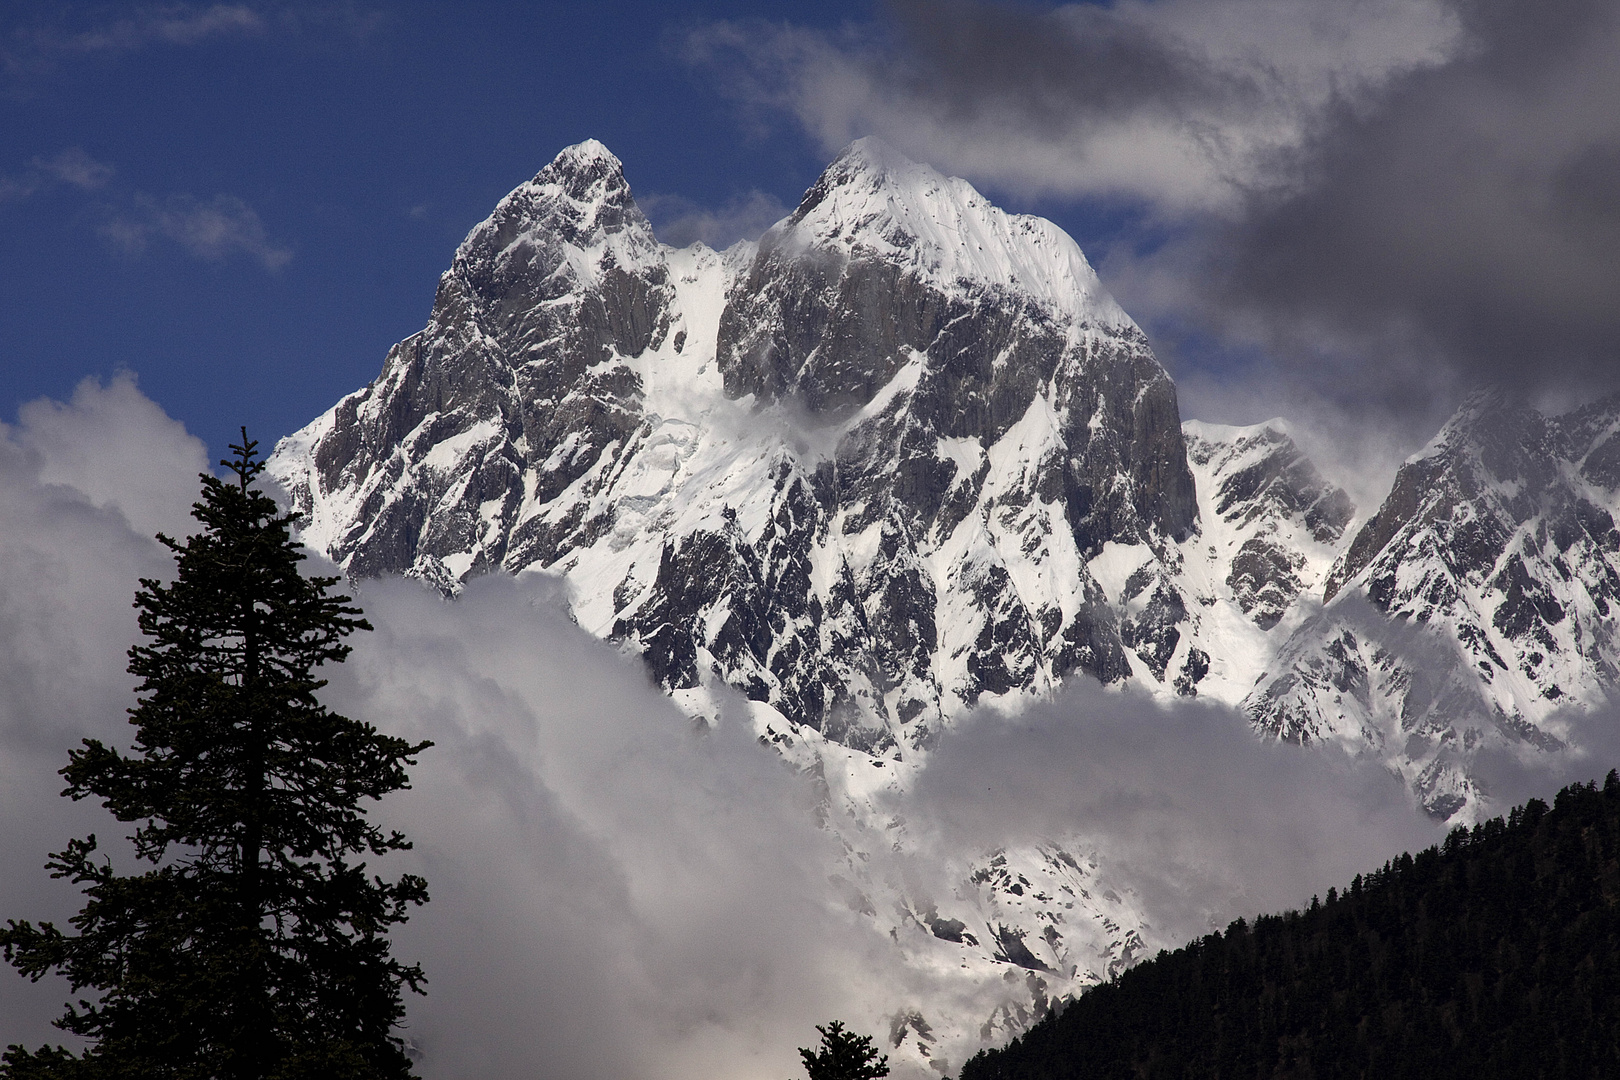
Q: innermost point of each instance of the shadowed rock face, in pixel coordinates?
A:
(830, 310)
(854, 471)
(511, 372)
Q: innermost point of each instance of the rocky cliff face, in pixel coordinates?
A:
(1472, 608)
(856, 471)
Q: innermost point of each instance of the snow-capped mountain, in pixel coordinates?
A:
(1270, 527)
(1474, 607)
(857, 470)
(904, 455)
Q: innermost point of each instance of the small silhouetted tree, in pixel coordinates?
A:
(255, 945)
(843, 1055)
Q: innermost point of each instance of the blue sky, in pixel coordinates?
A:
(247, 211)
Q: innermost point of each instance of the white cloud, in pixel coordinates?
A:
(67, 32)
(679, 221)
(81, 486)
(71, 166)
(74, 166)
(616, 894)
(1202, 820)
(166, 24)
(211, 231)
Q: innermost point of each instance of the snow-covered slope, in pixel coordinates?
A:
(1472, 608)
(857, 471)
(1271, 527)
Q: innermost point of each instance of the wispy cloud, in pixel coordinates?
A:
(71, 166)
(28, 49)
(164, 24)
(74, 166)
(212, 231)
(681, 221)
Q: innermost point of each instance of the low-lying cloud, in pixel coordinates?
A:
(616, 891)
(1187, 808)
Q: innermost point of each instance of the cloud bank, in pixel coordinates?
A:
(1184, 805)
(617, 893)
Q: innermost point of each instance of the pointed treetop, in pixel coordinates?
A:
(247, 464)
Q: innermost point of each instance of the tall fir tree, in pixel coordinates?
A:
(255, 946)
(843, 1055)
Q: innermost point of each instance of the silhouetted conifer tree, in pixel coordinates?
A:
(255, 946)
(843, 1055)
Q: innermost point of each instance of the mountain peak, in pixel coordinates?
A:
(589, 156)
(581, 199)
(874, 202)
(587, 172)
(871, 157)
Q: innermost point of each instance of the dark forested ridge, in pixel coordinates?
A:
(1496, 954)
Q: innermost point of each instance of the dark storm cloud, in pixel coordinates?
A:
(1171, 103)
(1053, 69)
(1385, 201)
(1473, 217)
